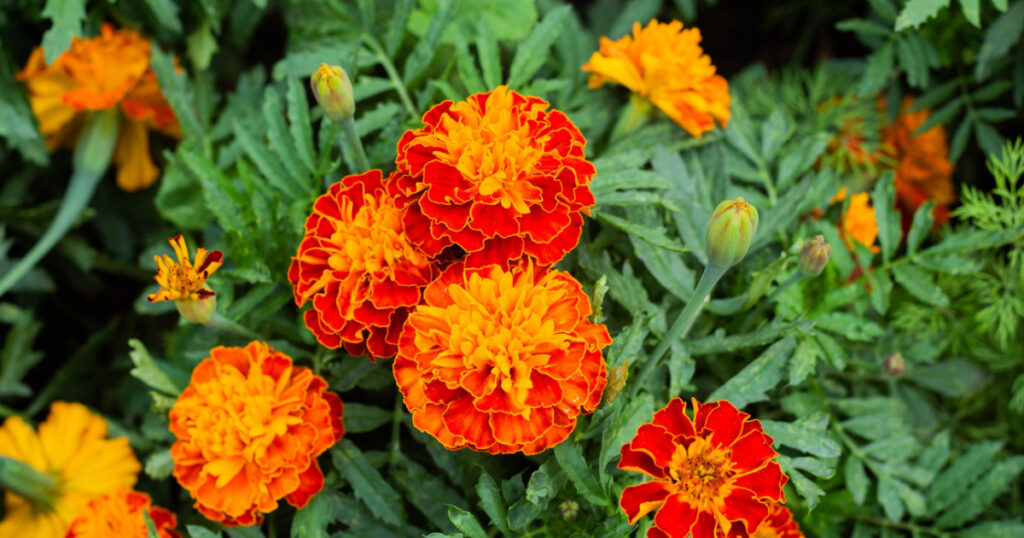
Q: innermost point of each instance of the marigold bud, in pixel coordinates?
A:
(730, 231)
(894, 365)
(333, 91)
(814, 257)
(197, 310)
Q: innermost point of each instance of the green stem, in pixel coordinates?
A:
(220, 322)
(389, 67)
(348, 127)
(635, 115)
(27, 482)
(796, 277)
(92, 157)
(712, 274)
(396, 431)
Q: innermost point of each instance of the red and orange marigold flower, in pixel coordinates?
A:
(99, 73)
(120, 514)
(665, 64)
(499, 360)
(498, 175)
(249, 428)
(713, 475)
(358, 268)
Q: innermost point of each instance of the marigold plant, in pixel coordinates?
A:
(358, 268)
(665, 64)
(120, 514)
(498, 176)
(103, 72)
(71, 445)
(714, 475)
(249, 427)
(499, 360)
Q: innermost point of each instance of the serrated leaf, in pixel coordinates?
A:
(952, 483)
(856, 479)
(889, 497)
(532, 51)
(466, 522)
(363, 418)
(176, 90)
(807, 435)
(920, 285)
(570, 458)
(312, 520)
(269, 167)
(67, 17)
(916, 12)
(877, 71)
(367, 483)
(281, 142)
(849, 325)
(863, 26)
(888, 219)
(763, 279)
(147, 371)
(418, 61)
(764, 335)
(774, 133)
(1000, 35)
(941, 116)
(805, 357)
(806, 488)
(912, 61)
(492, 503)
(761, 375)
(988, 138)
(881, 288)
(166, 13)
(920, 227)
(984, 491)
(654, 236)
(994, 529)
(972, 11)
(159, 465)
(202, 532)
(490, 59)
(954, 378)
(934, 96)
(299, 125)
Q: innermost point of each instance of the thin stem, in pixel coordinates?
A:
(796, 277)
(348, 127)
(396, 80)
(396, 431)
(712, 274)
(27, 482)
(220, 322)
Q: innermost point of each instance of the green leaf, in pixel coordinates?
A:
(864, 27)
(763, 280)
(176, 89)
(889, 498)
(805, 487)
(399, 20)
(912, 60)
(888, 219)
(466, 522)
(809, 434)
(984, 491)
(849, 325)
(654, 236)
(159, 465)
(1000, 36)
(202, 532)
(417, 62)
(764, 335)
(934, 96)
(363, 418)
(19, 124)
(774, 133)
(916, 12)
(799, 160)
(166, 14)
(952, 483)
(954, 378)
(268, 165)
(312, 521)
(881, 288)
(988, 138)
(805, 357)
(367, 483)
(200, 45)
(147, 371)
(532, 51)
(570, 458)
(281, 142)
(921, 226)
(505, 20)
(67, 17)
(490, 59)
(877, 72)
(942, 116)
(972, 11)
(492, 503)
(150, 526)
(761, 375)
(856, 479)
(994, 529)
(920, 285)
(299, 125)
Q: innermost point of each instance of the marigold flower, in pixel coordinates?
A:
(106, 71)
(858, 222)
(778, 524)
(120, 514)
(358, 268)
(923, 170)
(497, 175)
(249, 428)
(184, 280)
(711, 474)
(72, 446)
(665, 64)
(499, 360)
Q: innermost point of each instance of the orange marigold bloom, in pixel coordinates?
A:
(779, 524)
(109, 70)
(184, 280)
(498, 175)
(359, 269)
(499, 360)
(665, 64)
(712, 475)
(923, 170)
(120, 514)
(71, 445)
(249, 428)
(858, 222)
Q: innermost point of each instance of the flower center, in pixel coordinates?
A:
(183, 279)
(494, 147)
(370, 239)
(700, 471)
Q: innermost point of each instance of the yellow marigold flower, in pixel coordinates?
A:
(858, 222)
(665, 64)
(183, 280)
(106, 71)
(71, 445)
(120, 514)
(250, 426)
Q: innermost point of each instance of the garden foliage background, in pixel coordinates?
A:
(927, 444)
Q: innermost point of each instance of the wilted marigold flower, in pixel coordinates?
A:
(665, 64)
(71, 446)
(923, 170)
(497, 175)
(120, 514)
(712, 475)
(98, 73)
(358, 268)
(499, 360)
(249, 428)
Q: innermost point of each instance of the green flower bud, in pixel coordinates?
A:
(894, 365)
(199, 311)
(730, 231)
(814, 257)
(333, 91)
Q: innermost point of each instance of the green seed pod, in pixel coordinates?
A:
(730, 232)
(333, 91)
(814, 257)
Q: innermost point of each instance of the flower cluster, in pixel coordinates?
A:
(121, 514)
(714, 475)
(249, 427)
(666, 65)
(99, 73)
(72, 447)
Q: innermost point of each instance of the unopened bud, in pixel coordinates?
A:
(894, 365)
(333, 91)
(569, 509)
(28, 482)
(730, 232)
(616, 381)
(814, 257)
(199, 311)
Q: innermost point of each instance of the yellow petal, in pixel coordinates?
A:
(135, 168)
